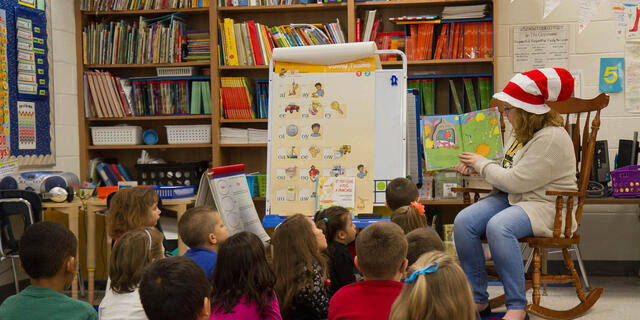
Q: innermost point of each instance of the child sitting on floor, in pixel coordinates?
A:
(401, 192)
(421, 241)
(436, 288)
(339, 230)
(202, 229)
(301, 279)
(135, 250)
(408, 218)
(175, 288)
(132, 208)
(48, 256)
(381, 251)
(243, 281)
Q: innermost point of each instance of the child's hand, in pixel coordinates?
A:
(463, 169)
(469, 158)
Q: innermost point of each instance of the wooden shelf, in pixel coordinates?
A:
(153, 146)
(146, 65)
(412, 2)
(141, 12)
(243, 145)
(244, 120)
(280, 8)
(438, 61)
(260, 67)
(259, 199)
(154, 118)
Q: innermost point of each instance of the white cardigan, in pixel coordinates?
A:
(121, 306)
(546, 162)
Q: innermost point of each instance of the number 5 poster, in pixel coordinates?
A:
(322, 128)
(611, 74)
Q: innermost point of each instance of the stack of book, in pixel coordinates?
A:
(156, 40)
(198, 45)
(262, 99)
(233, 135)
(465, 12)
(251, 43)
(107, 174)
(106, 95)
(257, 135)
(112, 5)
(371, 25)
(237, 98)
(200, 97)
(458, 40)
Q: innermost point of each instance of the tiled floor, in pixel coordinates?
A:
(620, 300)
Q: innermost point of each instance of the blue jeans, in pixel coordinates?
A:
(503, 224)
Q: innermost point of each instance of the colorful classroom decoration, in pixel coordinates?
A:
(446, 136)
(321, 144)
(26, 132)
(611, 74)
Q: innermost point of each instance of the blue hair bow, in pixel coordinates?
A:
(431, 268)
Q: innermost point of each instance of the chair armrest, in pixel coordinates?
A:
(560, 205)
(562, 193)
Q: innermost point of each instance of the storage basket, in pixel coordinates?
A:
(625, 182)
(176, 192)
(116, 135)
(186, 134)
(171, 174)
(175, 71)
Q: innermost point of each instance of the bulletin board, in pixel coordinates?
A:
(26, 104)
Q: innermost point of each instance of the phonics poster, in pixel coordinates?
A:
(322, 128)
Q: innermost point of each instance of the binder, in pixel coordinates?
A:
(196, 97)
(206, 97)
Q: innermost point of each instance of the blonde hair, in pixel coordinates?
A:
(132, 252)
(442, 295)
(408, 218)
(129, 209)
(527, 124)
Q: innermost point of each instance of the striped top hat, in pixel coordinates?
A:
(530, 90)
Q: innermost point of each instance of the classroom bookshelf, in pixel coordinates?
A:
(254, 155)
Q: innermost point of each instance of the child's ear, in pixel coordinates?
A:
(206, 310)
(355, 263)
(341, 235)
(212, 239)
(70, 264)
(405, 264)
(386, 204)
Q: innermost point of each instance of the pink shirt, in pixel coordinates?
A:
(244, 311)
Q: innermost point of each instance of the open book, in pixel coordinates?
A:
(446, 136)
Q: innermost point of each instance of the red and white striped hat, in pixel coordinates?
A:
(530, 90)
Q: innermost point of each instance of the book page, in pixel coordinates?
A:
(480, 133)
(441, 140)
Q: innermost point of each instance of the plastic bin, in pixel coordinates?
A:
(171, 174)
(175, 192)
(116, 135)
(187, 134)
(625, 182)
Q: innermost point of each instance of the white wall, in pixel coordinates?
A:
(597, 40)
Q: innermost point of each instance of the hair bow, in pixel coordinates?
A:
(431, 268)
(419, 206)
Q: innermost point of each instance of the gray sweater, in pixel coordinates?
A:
(546, 162)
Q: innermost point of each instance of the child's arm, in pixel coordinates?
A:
(316, 297)
(342, 274)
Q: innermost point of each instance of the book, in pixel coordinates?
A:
(446, 136)
(427, 91)
(206, 97)
(368, 27)
(470, 93)
(484, 89)
(454, 95)
(123, 171)
(196, 98)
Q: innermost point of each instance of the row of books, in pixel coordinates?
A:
(245, 3)
(251, 43)
(107, 174)
(237, 98)
(238, 135)
(113, 5)
(156, 40)
(465, 93)
(370, 28)
(106, 95)
(158, 97)
(262, 99)
(198, 45)
(466, 40)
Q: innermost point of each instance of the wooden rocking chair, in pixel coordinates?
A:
(562, 239)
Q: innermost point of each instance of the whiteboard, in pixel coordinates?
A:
(390, 140)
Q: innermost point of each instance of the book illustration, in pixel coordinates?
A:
(337, 170)
(336, 110)
(292, 131)
(290, 111)
(313, 173)
(293, 90)
(446, 136)
(335, 191)
(314, 150)
(362, 171)
(292, 153)
(315, 130)
(291, 193)
(291, 172)
(288, 153)
(314, 110)
(318, 90)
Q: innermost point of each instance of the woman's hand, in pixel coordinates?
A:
(463, 169)
(470, 159)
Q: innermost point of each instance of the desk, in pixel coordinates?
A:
(72, 210)
(95, 205)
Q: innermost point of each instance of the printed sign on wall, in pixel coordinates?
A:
(611, 74)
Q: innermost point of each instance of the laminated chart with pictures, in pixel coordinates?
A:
(4, 89)
(322, 126)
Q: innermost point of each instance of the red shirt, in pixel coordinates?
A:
(364, 300)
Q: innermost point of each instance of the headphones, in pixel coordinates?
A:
(59, 194)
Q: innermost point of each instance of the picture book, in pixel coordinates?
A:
(446, 136)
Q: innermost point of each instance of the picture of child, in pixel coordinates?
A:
(313, 173)
(319, 91)
(361, 171)
(316, 129)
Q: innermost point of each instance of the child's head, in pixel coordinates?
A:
(422, 240)
(297, 243)
(133, 251)
(242, 270)
(315, 127)
(318, 85)
(435, 288)
(48, 250)
(381, 251)
(175, 288)
(408, 218)
(360, 167)
(401, 192)
(132, 208)
(336, 224)
(202, 227)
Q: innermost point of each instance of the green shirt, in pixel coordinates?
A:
(44, 303)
